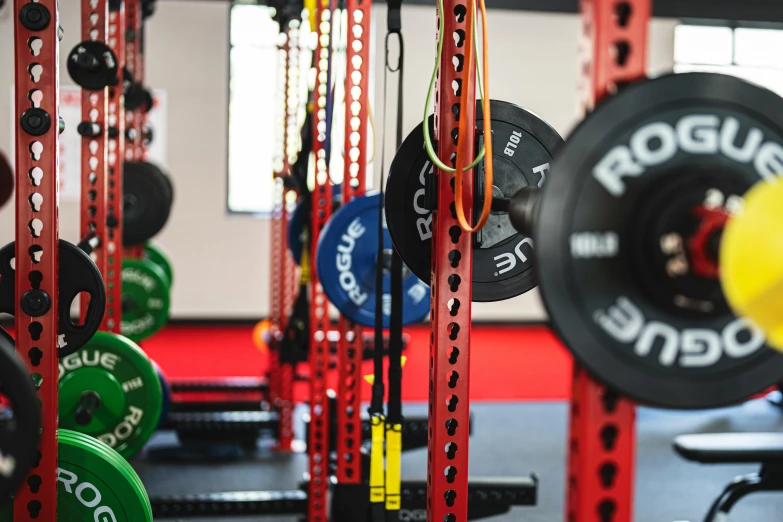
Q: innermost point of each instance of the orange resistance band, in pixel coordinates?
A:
(468, 96)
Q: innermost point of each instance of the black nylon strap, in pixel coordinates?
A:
(394, 408)
(394, 413)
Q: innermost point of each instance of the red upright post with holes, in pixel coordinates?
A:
(95, 104)
(602, 425)
(452, 269)
(36, 122)
(133, 119)
(281, 373)
(290, 281)
(292, 144)
(141, 78)
(290, 288)
(115, 157)
(351, 343)
(318, 443)
(277, 231)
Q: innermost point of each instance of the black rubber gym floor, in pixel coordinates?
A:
(519, 438)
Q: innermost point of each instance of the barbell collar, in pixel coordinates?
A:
(522, 209)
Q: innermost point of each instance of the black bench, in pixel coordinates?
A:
(765, 449)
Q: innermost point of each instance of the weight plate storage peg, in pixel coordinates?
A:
(20, 421)
(145, 299)
(147, 200)
(78, 274)
(156, 255)
(94, 483)
(111, 391)
(346, 263)
(628, 233)
(502, 258)
(93, 66)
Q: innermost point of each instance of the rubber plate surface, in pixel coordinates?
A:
(19, 432)
(650, 136)
(503, 262)
(94, 484)
(146, 297)
(119, 372)
(346, 264)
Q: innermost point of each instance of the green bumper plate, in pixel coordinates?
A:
(94, 483)
(145, 299)
(121, 376)
(157, 256)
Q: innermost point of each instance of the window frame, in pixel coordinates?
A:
(733, 68)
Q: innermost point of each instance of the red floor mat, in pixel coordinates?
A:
(507, 362)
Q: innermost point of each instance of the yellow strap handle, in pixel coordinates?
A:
(304, 265)
(377, 492)
(393, 466)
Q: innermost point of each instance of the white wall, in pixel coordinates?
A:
(222, 260)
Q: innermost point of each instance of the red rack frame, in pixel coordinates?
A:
(283, 281)
(351, 343)
(450, 315)
(94, 187)
(37, 231)
(116, 155)
(318, 443)
(134, 119)
(602, 424)
(290, 280)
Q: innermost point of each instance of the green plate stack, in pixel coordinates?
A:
(94, 483)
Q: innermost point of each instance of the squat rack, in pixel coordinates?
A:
(451, 288)
(602, 424)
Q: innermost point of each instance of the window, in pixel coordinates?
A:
(251, 111)
(749, 53)
(254, 120)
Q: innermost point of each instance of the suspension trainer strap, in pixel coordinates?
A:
(394, 419)
(377, 419)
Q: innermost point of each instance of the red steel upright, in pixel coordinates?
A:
(133, 119)
(452, 269)
(290, 196)
(278, 232)
(36, 122)
(602, 425)
(282, 292)
(293, 103)
(116, 155)
(351, 343)
(94, 187)
(318, 443)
